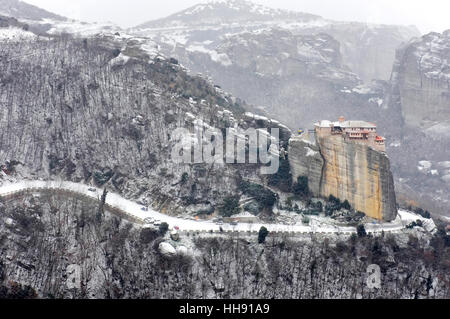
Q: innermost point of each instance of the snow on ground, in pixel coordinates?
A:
(120, 60)
(221, 58)
(445, 164)
(15, 34)
(80, 28)
(408, 217)
(439, 130)
(424, 166)
(376, 100)
(362, 89)
(173, 39)
(147, 45)
(310, 152)
(317, 223)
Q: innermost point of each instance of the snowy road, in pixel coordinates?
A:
(135, 210)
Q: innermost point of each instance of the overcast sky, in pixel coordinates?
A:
(427, 15)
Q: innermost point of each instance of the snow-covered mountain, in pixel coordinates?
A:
(44, 22)
(295, 78)
(368, 49)
(24, 11)
(226, 12)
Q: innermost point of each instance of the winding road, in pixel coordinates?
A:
(133, 210)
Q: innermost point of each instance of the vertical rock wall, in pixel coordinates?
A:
(305, 160)
(346, 170)
(421, 78)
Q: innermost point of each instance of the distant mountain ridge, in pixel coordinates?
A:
(368, 49)
(227, 11)
(24, 11)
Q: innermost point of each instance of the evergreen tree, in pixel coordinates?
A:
(263, 232)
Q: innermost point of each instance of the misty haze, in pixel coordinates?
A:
(224, 149)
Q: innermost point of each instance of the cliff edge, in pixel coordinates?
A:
(347, 170)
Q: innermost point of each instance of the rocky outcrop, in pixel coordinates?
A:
(420, 92)
(305, 160)
(292, 77)
(359, 174)
(369, 49)
(421, 79)
(167, 249)
(348, 171)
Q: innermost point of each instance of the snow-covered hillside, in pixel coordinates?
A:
(15, 34)
(221, 12)
(368, 49)
(133, 209)
(42, 21)
(24, 11)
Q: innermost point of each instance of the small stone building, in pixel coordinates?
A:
(356, 131)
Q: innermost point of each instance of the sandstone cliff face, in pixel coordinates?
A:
(359, 174)
(346, 170)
